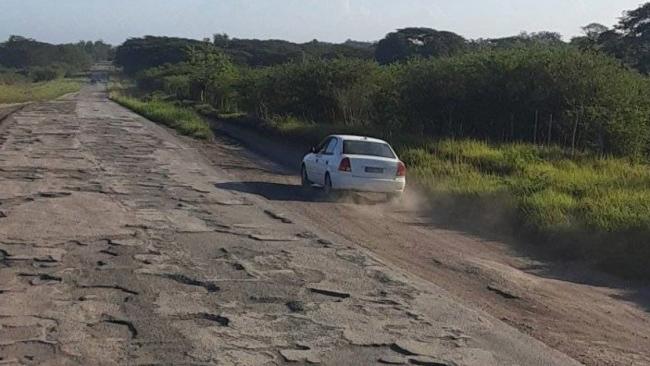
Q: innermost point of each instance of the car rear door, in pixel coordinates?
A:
(328, 160)
(315, 169)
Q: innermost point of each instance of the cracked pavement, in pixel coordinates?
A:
(118, 246)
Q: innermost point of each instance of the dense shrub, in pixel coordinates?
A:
(45, 73)
(11, 76)
(553, 95)
(556, 96)
(337, 91)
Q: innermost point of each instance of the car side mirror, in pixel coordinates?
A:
(312, 150)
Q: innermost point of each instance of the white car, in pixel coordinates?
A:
(354, 163)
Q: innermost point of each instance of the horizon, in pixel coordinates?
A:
(296, 21)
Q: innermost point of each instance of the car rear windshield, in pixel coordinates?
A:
(353, 147)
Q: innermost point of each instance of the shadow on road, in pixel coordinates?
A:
(274, 191)
(294, 193)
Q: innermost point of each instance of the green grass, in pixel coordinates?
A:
(582, 206)
(29, 92)
(573, 206)
(553, 190)
(182, 119)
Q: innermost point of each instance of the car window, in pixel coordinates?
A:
(352, 147)
(320, 149)
(331, 147)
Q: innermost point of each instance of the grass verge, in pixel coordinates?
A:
(30, 92)
(574, 207)
(182, 119)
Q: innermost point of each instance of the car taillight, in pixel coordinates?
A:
(401, 169)
(345, 165)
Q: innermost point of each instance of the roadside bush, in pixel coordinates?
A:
(556, 96)
(207, 78)
(47, 73)
(553, 96)
(10, 76)
(333, 92)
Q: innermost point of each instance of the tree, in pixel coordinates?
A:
(15, 39)
(635, 22)
(523, 39)
(635, 26)
(221, 40)
(418, 42)
(213, 73)
(138, 54)
(629, 40)
(593, 31)
(543, 37)
(591, 37)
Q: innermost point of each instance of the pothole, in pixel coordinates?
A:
(126, 323)
(42, 279)
(185, 280)
(330, 293)
(111, 287)
(215, 318)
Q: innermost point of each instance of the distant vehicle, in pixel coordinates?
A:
(354, 163)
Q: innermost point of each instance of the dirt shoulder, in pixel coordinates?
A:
(595, 318)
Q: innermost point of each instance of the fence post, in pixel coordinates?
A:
(550, 128)
(535, 131)
(573, 135)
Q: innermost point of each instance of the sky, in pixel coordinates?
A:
(60, 21)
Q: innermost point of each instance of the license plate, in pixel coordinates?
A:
(370, 169)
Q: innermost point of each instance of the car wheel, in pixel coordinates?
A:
(304, 179)
(327, 186)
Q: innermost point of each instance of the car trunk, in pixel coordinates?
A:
(373, 167)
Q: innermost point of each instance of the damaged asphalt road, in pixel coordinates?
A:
(117, 246)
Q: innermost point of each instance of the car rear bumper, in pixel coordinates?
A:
(350, 183)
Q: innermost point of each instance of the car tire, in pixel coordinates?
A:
(328, 190)
(304, 179)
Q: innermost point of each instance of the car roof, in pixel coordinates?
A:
(358, 138)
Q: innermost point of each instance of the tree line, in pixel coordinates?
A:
(138, 54)
(588, 94)
(27, 59)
